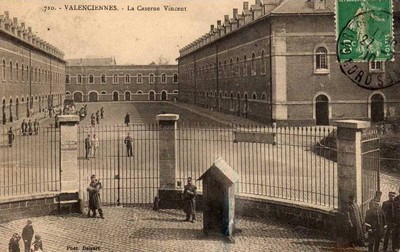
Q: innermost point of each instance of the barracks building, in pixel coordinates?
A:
(101, 79)
(276, 61)
(32, 71)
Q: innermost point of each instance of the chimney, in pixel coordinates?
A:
(7, 14)
(23, 25)
(212, 28)
(235, 13)
(30, 29)
(245, 5)
(219, 24)
(15, 21)
(319, 4)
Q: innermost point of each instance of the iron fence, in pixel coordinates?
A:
(29, 162)
(295, 163)
(126, 180)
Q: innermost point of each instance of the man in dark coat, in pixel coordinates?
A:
(94, 196)
(10, 137)
(189, 200)
(375, 222)
(102, 113)
(388, 208)
(30, 127)
(88, 146)
(36, 126)
(97, 118)
(13, 245)
(127, 119)
(27, 235)
(24, 127)
(355, 222)
(128, 141)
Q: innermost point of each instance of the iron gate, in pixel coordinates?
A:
(126, 180)
(370, 153)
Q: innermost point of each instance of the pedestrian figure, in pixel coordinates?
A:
(102, 113)
(97, 118)
(128, 142)
(396, 229)
(13, 245)
(24, 127)
(36, 126)
(127, 119)
(189, 200)
(94, 145)
(375, 222)
(30, 128)
(10, 137)
(92, 120)
(88, 146)
(94, 196)
(27, 235)
(354, 220)
(388, 208)
(37, 245)
(56, 120)
(45, 112)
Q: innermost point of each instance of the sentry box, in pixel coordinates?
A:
(219, 199)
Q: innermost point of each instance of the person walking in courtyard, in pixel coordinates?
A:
(94, 145)
(92, 120)
(97, 117)
(354, 220)
(128, 141)
(37, 245)
(189, 200)
(388, 208)
(13, 244)
(10, 137)
(375, 223)
(88, 146)
(30, 128)
(102, 113)
(36, 126)
(24, 127)
(27, 235)
(127, 119)
(94, 196)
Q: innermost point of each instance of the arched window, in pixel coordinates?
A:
(115, 79)
(127, 78)
(163, 78)
(321, 59)
(79, 79)
(39, 73)
(175, 91)
(11, 70)
(16, 70)
(175, 78)
(67, 79)
(263, 65)
(139, 78)
(264, 97)
(244, 65)
(4, 70)
(253, 65)
(151, 78)
(139, 92)
(103, 79)
(91, 78)
(103, 92)
(28, 77)
(254, 96)
(22, 72)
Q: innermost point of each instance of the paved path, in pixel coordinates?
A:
(141, 229)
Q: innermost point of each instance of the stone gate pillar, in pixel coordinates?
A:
(69, 161)
(168, 192)
(349, 160)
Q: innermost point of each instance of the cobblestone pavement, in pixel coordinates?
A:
(141, 229)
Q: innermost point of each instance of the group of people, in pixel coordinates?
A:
(29, 128)
(91, 146)
(27, 237)
(95, 119)
(380, 222)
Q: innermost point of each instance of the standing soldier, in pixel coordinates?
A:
(102, 113)
(354, 220)
(10, 137)
(127, 119)
(375, 222)
(92, 120)
(24, 127)
(27, 235)
(128, 142)
(94, 196)
(388, 208)
(30, 129)
(189, 200)
(36, 126)
(95, 145)
(88, 146)
(97, 117)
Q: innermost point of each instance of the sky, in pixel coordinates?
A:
(132, 37)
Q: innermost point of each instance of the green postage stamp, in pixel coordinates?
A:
(364, 30)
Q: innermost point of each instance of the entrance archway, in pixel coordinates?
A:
(377, 108)
(78, 97)
(93, 97)
(115, 96)
(322, 110)
(164, 95)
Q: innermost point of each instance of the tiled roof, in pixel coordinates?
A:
(302, 7)
(91, 62)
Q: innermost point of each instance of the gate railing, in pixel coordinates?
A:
(30, 163)
(125, 180)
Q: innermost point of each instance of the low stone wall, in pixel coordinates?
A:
(19, 207)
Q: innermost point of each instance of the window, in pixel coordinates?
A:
(175, 78)
(263, 66)
(139, 78)
(127, 78)
(115, 79)
(264, 97)
(67, 79)
(22, 72)
(151, 78)
(4, 70)
(103, 92)
(16, 71)
(79, 79)
(254, 96)
(253, 65)
(40, 77)
(91, 78)
(103, 79)
(139, 92)
(245, 65)
(321, 59)
(11, 69)
(163, 78)
(376, 66)
(27, 73)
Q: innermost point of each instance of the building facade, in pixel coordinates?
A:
(276, 61)
(32, 71)
(91, 80)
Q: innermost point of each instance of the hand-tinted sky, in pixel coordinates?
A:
(133, 37)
